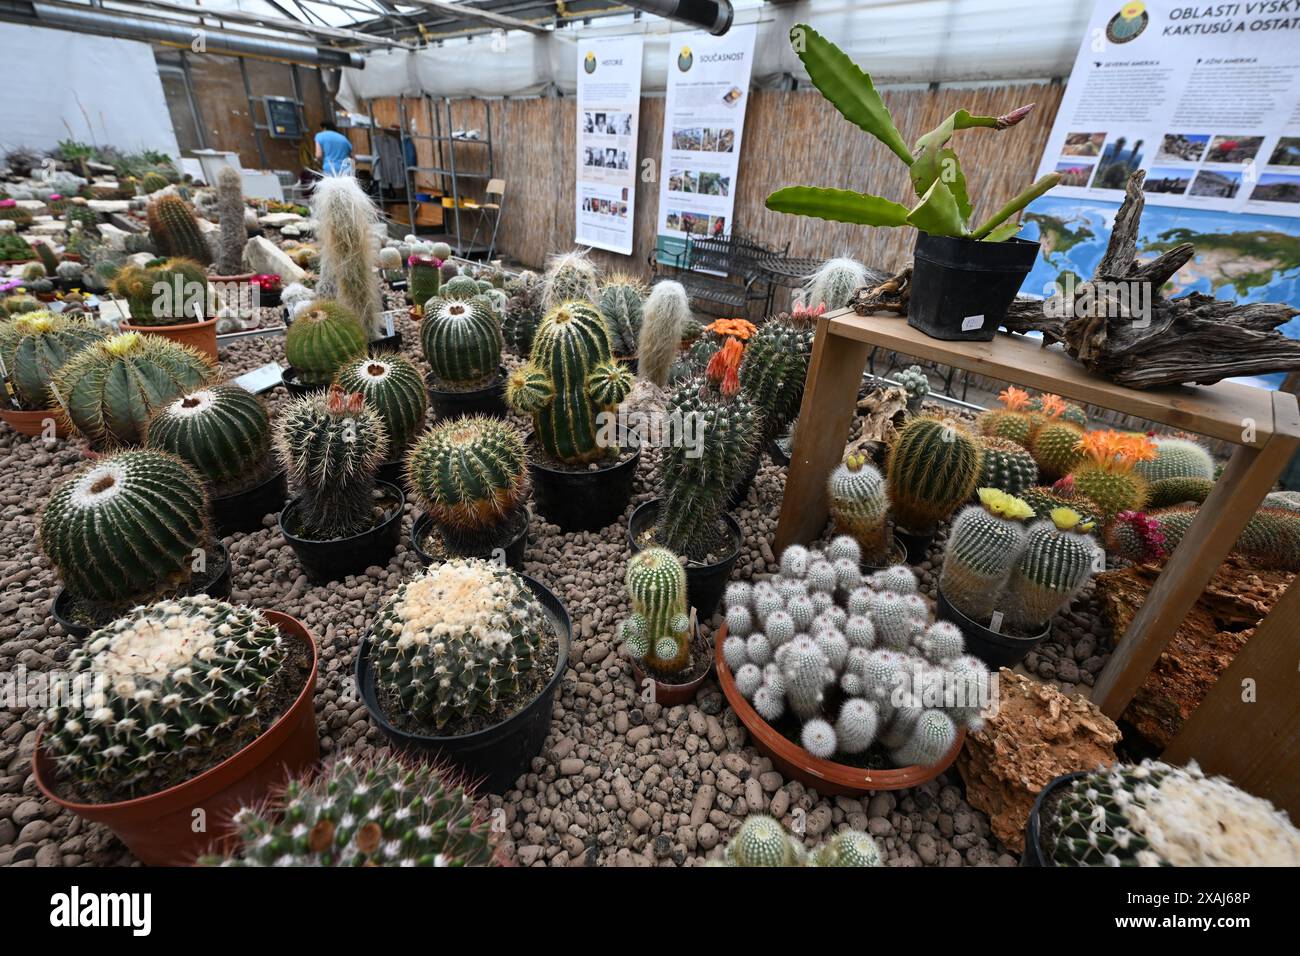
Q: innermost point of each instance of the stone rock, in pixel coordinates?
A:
(261, 255)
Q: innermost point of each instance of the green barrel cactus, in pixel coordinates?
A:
(125, 527)
(524, 311)
(393, 387)
(1165, 492)
(658, 632)
(933, 468)
(153, 181)
(172, 681)
(112, 387)
(982, 548)
(1055, 564)
(1006, 466)
(462, 342)
(1111, 491)
(34, 346)
(165, 292)
(569, 379)
(457, 642)
(460, 288)
(859, 502)
(622, 300)
(773, 370)
(175, 231)
(223, 432)
(1055, 447)
(424, 278)
(321, 339)
(1177, 458)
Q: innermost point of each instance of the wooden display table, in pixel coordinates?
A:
(1265, 427)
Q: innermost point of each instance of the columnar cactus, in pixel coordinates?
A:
(222, 431)
(665, 315)
(458, 641)
(345, 220)
(859, 503)
(569, 379)
(983, 545)
(331, 444)
(524, 311)
(168, 292)
(321, 339)
(125, 526)
(1057, 561)
(931, 738)
(34, 346)
(1177, 458)
(424, 278)
(461, 340)
(392, 386)
(166, 685)
(621, 301)
(773, 371)
(658, 632)
(111, 388)
(570, 277)
(175, 230)
(933, 467)
(1006, 466)
(230, 216)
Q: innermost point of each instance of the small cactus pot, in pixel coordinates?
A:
(1033, 854)
(244, 510)
(994, 649)
(669, 695)
(159, 828)
(512, 551)
(488, 400)
(704, 582)
(326, 561)
(916, 546)
(582, 500)
(200, 336)
(496, 755)
(32, 423)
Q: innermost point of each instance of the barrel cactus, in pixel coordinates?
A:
(175, 230)
(1055, 564)
(1006, 466)
(1106, 476)
(1164, 492)
(34, 346)
(761, 841)
(1012, 421)
(569, 278)
(166, 292)
(1177, 458)
(462, 341)
(459, 641)
(125, 527)
(774, 368)
(859, 503)
(1056, 448)
(983, 545)
(933, 468)
(321, 339)
(523, 311)
(393, 388)
(112, 387)
(621, 300)
(658, 631)
(223, 432)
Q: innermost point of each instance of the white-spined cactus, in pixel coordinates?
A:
(983, 545)
(761, 841)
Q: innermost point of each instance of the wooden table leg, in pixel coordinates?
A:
(829, 400)
(1248, 726)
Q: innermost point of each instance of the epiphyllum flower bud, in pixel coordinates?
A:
(341, 403)
(724, 368)
(1014, 117)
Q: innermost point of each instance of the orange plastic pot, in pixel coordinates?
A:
(33, 423)
(160, 828)
(201, 336)
(825, 775)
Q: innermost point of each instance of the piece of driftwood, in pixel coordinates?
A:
(890, 295)
(1120, 326)
(882, 414)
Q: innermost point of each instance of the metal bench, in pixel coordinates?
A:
(722, 271)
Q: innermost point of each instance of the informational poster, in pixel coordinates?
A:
(609, 104)
(1205, 97)
(704, 119)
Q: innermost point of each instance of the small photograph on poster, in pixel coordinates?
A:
(1118, 162)
(1182, 147)
(1074, 174)
(704, 139)
(1083, 144)
(1233, 149)
(682, 181)
(1277, 187)
(1216, 184)
(1286, 152)
(1168, 180)
(606, 124)
(717, 225)
(604, 157)
(691, 223)
(714, 184)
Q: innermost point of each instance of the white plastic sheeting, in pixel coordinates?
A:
(897, 41)
(89, 88)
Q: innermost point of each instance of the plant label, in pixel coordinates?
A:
(972, 322)
(261, 379)
(995, 622)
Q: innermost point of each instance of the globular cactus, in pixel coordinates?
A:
(167, 684)
(393, 388)
(126, 526)
(1055, 564)
(898, 578)
(424, 278)
(833, 284)
(1062, 494)
(460, 288)
(1177, 458)
(345, 220)
(847, 848)
(621, 300)
(175, 231)
(34, 346)
(857, 725)
(230, 216)
(321, 339)
(461, 341)
(570, 277)
(1013, 421)
(893, 620)
(459, 641)
(806, 673)
(569, 379)
(931, 738)
(1164, 492)
(153, 181)
(524, 312)
(1107, 477)
(1290, 500)
(933, 467)
(223, 432)
(940, 642)
(917, 385)
(983, 545)
(1006, 466)
(818, 738)
(761, 841)
(664, 315)
(656, 584)
(331, 444)
(390, 259)
(169, 292)
(774, 368)
(859, 502)
(354, 812)
(1055, 447)
(112, 387)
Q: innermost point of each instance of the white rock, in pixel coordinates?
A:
(261, 255)
(109, 205)
(113, 237)
(277, 219)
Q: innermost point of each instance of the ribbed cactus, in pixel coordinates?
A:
(523, 311)
(983, 545)
(321, 339)
(171, 682)
(424, 278)
(833, 283)
(34, 346)
(168, 292)
(230, 216)
(461, 288)
(125, 526)
(1012, 421)
(665, 315)
(658, 630)
(345, 220)
(1177, 458)
(470, 475)
(393, 388)
(1164, 492)
(621, 301)
(111, 388)
(461, 340)
(933, 467)
(1106, 475)
(458, 641)
(570, 277)
(931, 738)
(1270, 540)
(1055, 446)
(1006, 466)
(331, 444)
(175, 231)
(1055, 564)
(570, 378)
(859, 503)
(222, 431)
(762, 841)
(773, 371)
(1289, 500)
(355, 812)
(152, 181)
(847, 848)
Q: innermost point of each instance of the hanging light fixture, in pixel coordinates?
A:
(713, 15)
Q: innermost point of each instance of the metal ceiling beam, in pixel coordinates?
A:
(238, 16)
(478, 13)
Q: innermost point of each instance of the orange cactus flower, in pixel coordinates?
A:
(1052, 405)
(1013, 398)
(1116, 451)
(800, 312)
(724, 368)
(740, 328)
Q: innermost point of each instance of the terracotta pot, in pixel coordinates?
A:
(201, 336)
(158, 828)
(33, 423)
(797, 763)
(670, 695)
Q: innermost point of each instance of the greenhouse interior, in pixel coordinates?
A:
(447, 433)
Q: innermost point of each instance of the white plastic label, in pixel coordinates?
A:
(995, 622)
(972, 322)
(260, 379)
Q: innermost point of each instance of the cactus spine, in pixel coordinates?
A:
(523, 311)
(1006, 466)
(621, 306)
(834, 283)
(392, 386)
(223, 432)
(230, 216)
(461, 340)
(322, 338)
(34, 346)
(658, 630)
(860, 504)
(664, 316)
(1055, 564)
(569, 278)
(933, 468)
(175, 231)
(345, 225)
(983, 545)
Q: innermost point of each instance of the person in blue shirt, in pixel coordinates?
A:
(333, 151)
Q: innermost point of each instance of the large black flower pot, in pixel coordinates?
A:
(917, 546)
(996, 650)
(704, 582)
(326, 561)
(488, 400)
(393, 472)
(295, 386)
(1033, 854)
(498, 755)
(244, 510)
(512, 551)
(961, 288)
(583, 500)
(386, 344)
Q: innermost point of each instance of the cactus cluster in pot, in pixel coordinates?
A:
(392, 386)
(34, 346)
(322, 338)
(223, 432)
(933, 468)
(461, 340)
(762, 841)
(853, 662)
(859, 503)
(163, 292)
(658, 631)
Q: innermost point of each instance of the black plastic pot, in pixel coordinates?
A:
(331, 560)
(897, 555)
(741, 491)
(704, 582)
(583, 500)
(961, 288)
(513, 550)
(488, 400)
(499, 754)
(776, 453)
(917, 546)
(289, 379)
(996, 650)
(393, 472)
(1033, 853)
(389, 343)
(244, 510)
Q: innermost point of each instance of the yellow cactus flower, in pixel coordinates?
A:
(1004, 505)
(1065, 518)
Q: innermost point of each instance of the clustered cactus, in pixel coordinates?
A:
(621, 302)
(175, 230)
(223, 432)
(916, 384)
(1270, 540)
(321, 339)
(393, 388)
(859, 502)
(1154, 814)
(165, 685)
(762, 841)
(34, 346)
(658, 630)
(855, 661)
(461, 339)
(933, 468)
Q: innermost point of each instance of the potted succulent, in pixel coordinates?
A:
(342, 520)
(346, 219)
(569, 380)
(462, 664)
(461, 339)
(182, 706)
(224, 433)
(391, 385)
(659, 634)
(322, 338)
(917, 385)
(126, 529)
(470, 475)
(170, 298)
(932, 470)
(762, 841)
(33, 347)
(859, 503)
(965, 275)
(424, 272)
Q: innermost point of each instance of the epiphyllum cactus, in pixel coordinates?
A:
(1107, 477)
(944, 207)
